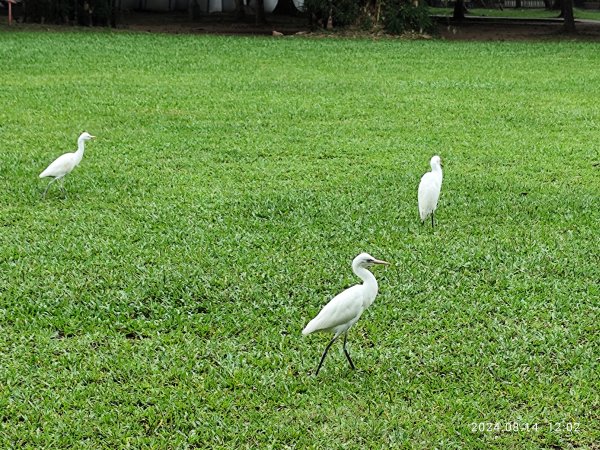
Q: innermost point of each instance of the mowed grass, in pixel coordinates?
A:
(231, 183)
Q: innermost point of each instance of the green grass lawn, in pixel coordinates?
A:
(523, 13)
(231, 183)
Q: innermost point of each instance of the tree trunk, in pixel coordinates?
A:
(567, 13)
(87, 14)
(260, 12)
(193, 9)
(459, 10)
(115, 11)
(239, 10)
(285, 8)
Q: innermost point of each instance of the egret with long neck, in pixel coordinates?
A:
(429, 190)
(64, 164)
(345, 309)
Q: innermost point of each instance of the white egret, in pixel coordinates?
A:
(64, 164)
(429, 190)
(345, 309)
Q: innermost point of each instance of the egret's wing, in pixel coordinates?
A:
(340, 310)
(60, 166)
(428, 194)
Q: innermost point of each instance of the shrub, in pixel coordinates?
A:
(343, 12)
(61, 11)
(401, 16)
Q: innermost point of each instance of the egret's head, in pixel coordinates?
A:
(85, 136)
(366, 260)
(436, 161)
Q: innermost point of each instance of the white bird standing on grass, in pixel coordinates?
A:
(345, 309)
(64, 164)
(429, 190)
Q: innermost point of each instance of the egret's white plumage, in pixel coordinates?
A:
(64, 164)
(429, 189)
(345, 309)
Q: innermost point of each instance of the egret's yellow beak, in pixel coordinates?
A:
(379, 261)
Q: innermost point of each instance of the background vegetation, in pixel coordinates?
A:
(232, 182)
(81, 12)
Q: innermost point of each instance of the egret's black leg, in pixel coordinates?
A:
(346, 351)
(48, 187)
(432, 226)
(324, 354)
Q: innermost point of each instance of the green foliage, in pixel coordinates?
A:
(232, 181)
(343, 12)
(62, 11)
(401, 16)
(102, 11)
(45, 10)
(366, 21)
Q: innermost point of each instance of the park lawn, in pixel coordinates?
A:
(232, 181)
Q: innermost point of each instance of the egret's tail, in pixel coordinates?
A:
(308, 328)
(44, 174)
